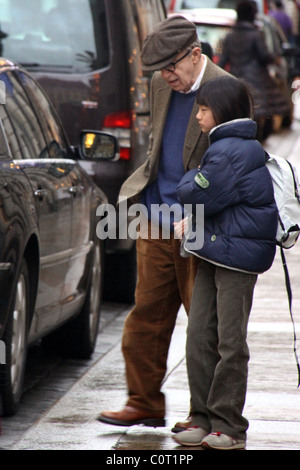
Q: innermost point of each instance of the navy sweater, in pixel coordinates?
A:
(171, 170)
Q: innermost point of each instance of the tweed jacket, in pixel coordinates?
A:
(196, 143)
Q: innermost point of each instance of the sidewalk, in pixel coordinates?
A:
(273, 400)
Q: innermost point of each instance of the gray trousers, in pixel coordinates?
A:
(217, 351)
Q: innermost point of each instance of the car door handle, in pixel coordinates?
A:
(40, 193)
(74, 190)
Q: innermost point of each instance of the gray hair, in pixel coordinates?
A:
(194, 44)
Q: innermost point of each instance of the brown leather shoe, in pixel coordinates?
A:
(130, 416)
(182, 425)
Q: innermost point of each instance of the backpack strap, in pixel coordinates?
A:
(297, 195)
(290, 297)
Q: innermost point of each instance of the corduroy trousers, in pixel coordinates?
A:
(165, 281)
(217, 351)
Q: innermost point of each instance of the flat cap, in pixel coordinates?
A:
(167, 39)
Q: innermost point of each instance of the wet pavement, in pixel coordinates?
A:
(69, 422)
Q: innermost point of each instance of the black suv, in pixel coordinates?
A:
(50, 256)
(86, 55)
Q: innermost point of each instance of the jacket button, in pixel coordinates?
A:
(213, 238)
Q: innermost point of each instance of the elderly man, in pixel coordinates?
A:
(165, 279)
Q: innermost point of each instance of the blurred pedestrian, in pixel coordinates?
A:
(279, 14)
(165, 279)
(292, 10)
(240, 229)
(207, 50)
(247, 55)
(296, 20)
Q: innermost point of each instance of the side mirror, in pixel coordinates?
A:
(97, 145)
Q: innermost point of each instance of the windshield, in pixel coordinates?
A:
(202, 4)
(214, 35)
(214, 4)
(69, 34)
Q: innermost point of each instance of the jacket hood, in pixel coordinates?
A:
(243, 128)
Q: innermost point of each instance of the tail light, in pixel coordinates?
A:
(266, 8)
(120, 125)
(172, 6)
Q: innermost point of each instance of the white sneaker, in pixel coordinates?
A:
(219, 441)
(192, 436)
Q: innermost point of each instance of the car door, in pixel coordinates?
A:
(81, 239)
(75, 190)
(49, 176)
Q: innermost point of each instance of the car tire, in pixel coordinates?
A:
(86, 326)
(15, 339)
(77, 338)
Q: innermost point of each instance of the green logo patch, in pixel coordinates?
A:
(201, 181)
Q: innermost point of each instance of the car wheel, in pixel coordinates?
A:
(15, 339)
(86, 326)
(77, 338)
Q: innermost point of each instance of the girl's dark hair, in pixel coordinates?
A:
(228, 98)
(246, 11)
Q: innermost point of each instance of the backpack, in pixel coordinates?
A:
(287, 197)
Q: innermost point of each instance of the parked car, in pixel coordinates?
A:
(176, 5)
(213, 24)
(86, 55)
(51, 260)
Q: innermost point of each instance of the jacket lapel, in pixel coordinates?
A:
(193, 134)
(160, 112)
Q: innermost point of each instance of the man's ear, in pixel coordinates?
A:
(196, 54)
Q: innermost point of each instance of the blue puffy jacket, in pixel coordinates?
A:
(240, 214)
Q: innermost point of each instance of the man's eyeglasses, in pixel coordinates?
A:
(172, 65)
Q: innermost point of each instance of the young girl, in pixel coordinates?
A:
(240, 223)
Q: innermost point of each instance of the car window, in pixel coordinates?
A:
(214, 35)
(55, 138)
(46, 33)
(24, 134)
(188, 4)
(201, 4)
